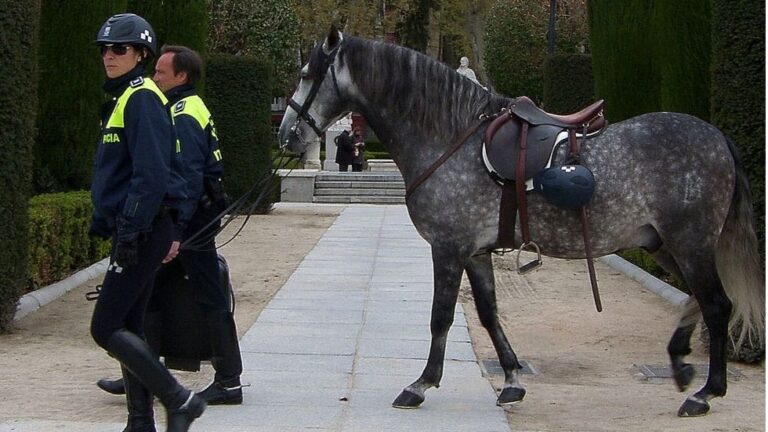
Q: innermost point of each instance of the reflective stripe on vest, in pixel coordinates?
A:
(117, 119)
(194, 107)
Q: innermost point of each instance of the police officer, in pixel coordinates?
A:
(135, 194)
(177, 71)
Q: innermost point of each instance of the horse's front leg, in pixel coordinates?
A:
(480, 274)
(448, 267)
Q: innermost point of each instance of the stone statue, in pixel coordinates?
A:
(466, 71)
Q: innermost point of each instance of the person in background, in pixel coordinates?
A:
(358, 157)
(345, 149)
(135, 196)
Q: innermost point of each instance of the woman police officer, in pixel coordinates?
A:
(135, 192)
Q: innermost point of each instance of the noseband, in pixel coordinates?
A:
(303, 109)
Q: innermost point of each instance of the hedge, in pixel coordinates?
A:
(568, 84)
(58, 237)
(71, 75)
(738, 89)
(19, 23)
(239, 96)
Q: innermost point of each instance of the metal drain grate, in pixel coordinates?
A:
(657, 372)
(493, 367)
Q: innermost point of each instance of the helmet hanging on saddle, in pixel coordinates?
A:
(565, 186)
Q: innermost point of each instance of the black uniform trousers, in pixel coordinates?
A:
(125, 291)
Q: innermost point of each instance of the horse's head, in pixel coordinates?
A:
(318, 100)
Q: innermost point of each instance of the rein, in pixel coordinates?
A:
(454, 147)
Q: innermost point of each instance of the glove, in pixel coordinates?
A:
(126, 253)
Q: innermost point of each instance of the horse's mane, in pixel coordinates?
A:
(436, 98)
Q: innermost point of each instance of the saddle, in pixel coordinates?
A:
(518, 144)
(545, 131)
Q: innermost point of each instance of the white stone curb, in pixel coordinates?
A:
(663, 289)
(38, 298)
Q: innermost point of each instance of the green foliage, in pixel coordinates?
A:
(176, 22)
(643, 260)
(267, 30)
(568, 84)
(623, 60)
(651, 56)
(239, 97)
(71, 75)
(738, 89)
(19, 23)
(58, 237)
(516, 46)
(681, 33)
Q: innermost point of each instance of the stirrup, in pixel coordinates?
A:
(533, 265)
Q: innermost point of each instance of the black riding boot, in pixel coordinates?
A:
(226, 388)
(152, 323)
(141, 416)
(181, 405)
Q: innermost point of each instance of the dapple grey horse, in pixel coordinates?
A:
(668, 183)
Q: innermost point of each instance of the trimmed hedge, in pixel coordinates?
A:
(239, 95)
(568, 83)
(19, 23)
(71, 75)
(58, 237)
(738, 89)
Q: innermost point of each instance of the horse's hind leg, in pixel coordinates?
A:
(700, 274)
(680, 344)
(480, 274)
(448, 269)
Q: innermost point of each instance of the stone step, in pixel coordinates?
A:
(359, 192)
(360, 176)
(321, 184)
(359, 199)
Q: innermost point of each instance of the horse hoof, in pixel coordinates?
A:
(684, 376)
(510, 396)
(408, 400)
(693, 407)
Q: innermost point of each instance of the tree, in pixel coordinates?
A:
(19, 24)
(259, 28)
(516, 46)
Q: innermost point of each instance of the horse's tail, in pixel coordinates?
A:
(739, 265)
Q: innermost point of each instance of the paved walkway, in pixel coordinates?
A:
(347, 332)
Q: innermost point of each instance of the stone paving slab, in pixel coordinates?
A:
(347, 332)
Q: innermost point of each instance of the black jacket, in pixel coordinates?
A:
(345, 148)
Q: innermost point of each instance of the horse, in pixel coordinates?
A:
(668, 183)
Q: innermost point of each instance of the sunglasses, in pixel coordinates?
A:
(118, 50)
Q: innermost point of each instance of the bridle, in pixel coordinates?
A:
(327, 61)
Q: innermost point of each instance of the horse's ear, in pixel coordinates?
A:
(332, 40)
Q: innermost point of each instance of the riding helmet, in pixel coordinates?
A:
(566, 186)
(127, 28)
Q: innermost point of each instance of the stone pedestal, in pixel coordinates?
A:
(330, 147)
(297, 185)
(311, 158)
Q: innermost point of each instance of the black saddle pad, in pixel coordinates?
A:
(503, 147)
(176, 321)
